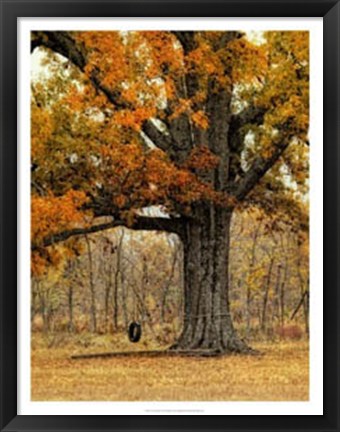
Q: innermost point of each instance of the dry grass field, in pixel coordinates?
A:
(281, 374)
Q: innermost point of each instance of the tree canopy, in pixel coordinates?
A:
(123, 121)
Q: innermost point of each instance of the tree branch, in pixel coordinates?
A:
(252, 114)
(141, 223)
(160, 139)
(186, 39)
(62, 43)
(258, 169)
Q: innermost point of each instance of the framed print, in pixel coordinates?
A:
(169, 190)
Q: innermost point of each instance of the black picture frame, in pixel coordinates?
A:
(10, 11)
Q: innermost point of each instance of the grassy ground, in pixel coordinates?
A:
(281, 374)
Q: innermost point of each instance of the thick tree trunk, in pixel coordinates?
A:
(208, 326)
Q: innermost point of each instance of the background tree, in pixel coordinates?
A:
(196, 123)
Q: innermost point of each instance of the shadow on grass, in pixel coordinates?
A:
(166, 353)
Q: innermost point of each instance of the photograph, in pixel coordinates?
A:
(169, 215)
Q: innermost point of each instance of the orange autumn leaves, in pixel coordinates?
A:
(242, 60)
(133, 178)
(140, 66)
(49, 216)
(86, 147)
(137, 179)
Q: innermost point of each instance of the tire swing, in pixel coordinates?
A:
(135, 332)
(135, 327)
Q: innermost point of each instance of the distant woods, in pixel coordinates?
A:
(120, 276)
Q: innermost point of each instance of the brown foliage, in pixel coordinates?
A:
(290, 332)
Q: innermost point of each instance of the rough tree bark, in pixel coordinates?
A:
(208, 325)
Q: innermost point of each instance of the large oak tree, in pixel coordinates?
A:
(196, 123)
